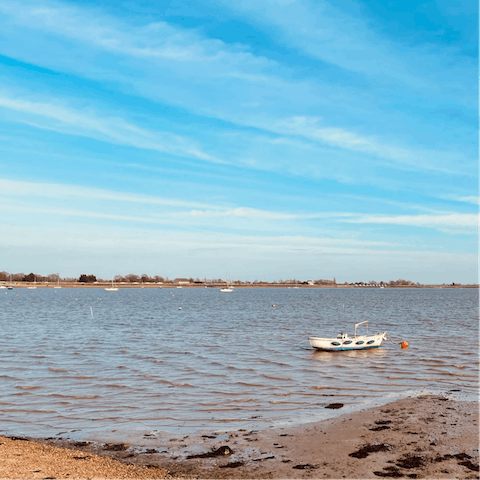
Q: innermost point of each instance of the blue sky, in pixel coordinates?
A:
(266, 140)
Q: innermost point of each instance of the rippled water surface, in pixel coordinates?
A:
(225, 360)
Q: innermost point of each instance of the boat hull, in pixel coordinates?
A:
(342, 349)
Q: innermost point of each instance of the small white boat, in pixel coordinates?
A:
(113, 288)
(228, 287)
(31, 288)
(344, 342)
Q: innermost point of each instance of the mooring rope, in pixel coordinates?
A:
(389, 338)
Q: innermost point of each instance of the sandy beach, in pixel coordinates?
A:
(415, 437)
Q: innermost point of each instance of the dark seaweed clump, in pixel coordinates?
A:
(411, 461)
(224, 450)
(462, 459)
(232, 465)
(367, 449)
(115, 447)
(381, 427)
(305, 466)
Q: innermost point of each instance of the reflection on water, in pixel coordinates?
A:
(318, 355)
(222, 361)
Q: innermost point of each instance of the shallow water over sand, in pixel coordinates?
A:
(225, 360)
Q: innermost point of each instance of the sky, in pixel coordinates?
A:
(257, 139)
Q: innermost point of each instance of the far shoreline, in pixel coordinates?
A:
(104, 285)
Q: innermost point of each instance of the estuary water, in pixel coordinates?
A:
(84, 363)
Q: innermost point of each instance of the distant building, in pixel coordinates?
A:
(182, 281)
(309, 282)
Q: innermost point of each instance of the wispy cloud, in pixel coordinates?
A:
(152, 41)
(87, 123)
(179, 212)
(465, 199)
(198, 210)
(343, 38)
(429, 221)
(312, 129)
(12, 188)
(245, 212)
(264, 243)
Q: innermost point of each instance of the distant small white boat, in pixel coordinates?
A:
(3, 286)
(228, 288)
(31, 288)
(113, 288)
(179, 287)
(344, 342)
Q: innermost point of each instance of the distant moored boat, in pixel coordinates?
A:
(113, 288)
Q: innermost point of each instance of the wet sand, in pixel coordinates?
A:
(417, 437)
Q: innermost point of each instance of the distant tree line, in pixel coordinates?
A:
(87, 278)
(144, 278)
(31, 277)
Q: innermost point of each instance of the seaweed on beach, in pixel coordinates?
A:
(305, 466)
(410, 461)
(462, 459)
(394, 472)
(115, 447)
(389, 472)
(223, 450)
(232, 465)
(470, 465)
(367, 449)
(81, 444)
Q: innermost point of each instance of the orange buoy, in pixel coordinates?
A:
(404, 344)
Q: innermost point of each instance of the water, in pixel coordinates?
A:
(224, 361)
